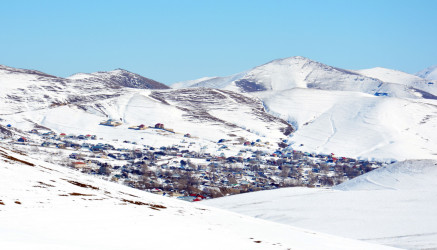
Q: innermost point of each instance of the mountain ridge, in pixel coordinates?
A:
(301, 72)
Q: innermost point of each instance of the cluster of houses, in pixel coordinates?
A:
(174, 172)
(62, 140)
(192, 175)
(115, 123)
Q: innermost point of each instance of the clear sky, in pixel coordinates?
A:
(179, 40)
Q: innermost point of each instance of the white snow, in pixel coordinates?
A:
(399, 77)
(44, 206)
(394, 205)
(428, 73)
(189, 83)
(357, 125)
(389, 75)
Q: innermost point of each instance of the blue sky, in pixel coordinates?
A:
(171, 41)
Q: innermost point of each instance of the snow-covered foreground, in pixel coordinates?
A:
(43, 206)
(395, 205)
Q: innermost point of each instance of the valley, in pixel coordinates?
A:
(292, 141)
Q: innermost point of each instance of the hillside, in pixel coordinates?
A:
(390, 75)
(394, 205)
(399, 77)
(207, 114)
(355, 124)
(44, 206)
(407, 175)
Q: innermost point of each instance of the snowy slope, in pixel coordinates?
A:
(407, 175)
(28, 89)
(189, 83)
(390, 75)
(394, 205)
(44, 206)
(428, 73)
(355, 124)
(208, 115)
(399, 77)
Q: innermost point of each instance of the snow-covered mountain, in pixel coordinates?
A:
(45, 206)
(428, 73)
(24, 90)
(300, 72)
(394, 205)
(374, 113)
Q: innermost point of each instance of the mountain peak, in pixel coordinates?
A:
(293, 59)
(429, 73)
(119, 78)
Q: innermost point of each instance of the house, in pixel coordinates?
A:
(139, 127)
(62, 135)
(34, 131)
(159, 125)
(187, 135)
(96, 148)
(111, 122)
(22, 139)
(79, 164)
(186, 198)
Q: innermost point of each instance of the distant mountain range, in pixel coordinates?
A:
(378, 113)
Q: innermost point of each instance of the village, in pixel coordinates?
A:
(189, 173)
